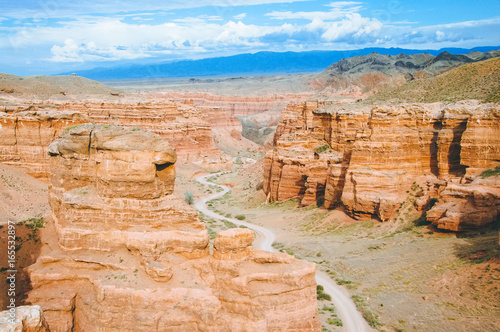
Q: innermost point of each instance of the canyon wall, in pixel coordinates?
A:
(256, 116)
(26, 130)
(129, 256)
(366, 158)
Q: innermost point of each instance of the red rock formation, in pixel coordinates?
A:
(25, 135)
(467, 206)
(131, 257)
(367, 157)
(232, 105)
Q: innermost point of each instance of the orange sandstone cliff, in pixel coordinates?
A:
(129, 256)
(26, 130)
(366, 158)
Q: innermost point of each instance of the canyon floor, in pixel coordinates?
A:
(403, 276)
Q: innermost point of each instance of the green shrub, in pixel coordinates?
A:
(323, 148)
(321, 295)
(240, 217)
(491, 172)
(335, 321)
(188, 197)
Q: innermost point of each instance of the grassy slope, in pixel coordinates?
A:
(480, 80)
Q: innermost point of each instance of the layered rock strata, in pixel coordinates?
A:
(131, 257)
(367, 157)
(27, 130)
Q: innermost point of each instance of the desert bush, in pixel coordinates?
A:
(240, 217)
(322, 148)
(188, 197)
(321, 295)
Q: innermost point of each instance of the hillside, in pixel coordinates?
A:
(480, 80)
(374, 72)
(55, 87)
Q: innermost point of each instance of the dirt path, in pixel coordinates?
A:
(351, 317)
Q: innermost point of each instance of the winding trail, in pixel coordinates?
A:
(351, 318)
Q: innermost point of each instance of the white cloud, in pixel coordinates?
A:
(74, 52)
(340, 4)
(339, 10)
(126, 36)
(440, 35)
(352, 25)
(81, 7)
(85, 41)
(288, 15)
(240, 16)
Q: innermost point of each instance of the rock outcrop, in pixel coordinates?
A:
(467, 206)
(131, 257)
(23, 319)
(366, 157)
(27, 130)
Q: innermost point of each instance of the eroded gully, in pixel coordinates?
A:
(351, 318)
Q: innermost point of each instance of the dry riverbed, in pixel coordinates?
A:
(401, 275)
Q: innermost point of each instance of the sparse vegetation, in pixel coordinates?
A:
(370, 317)
(188, 197)
(321, 295)
(480, 80)
(240, 217)
(78, 125)
(323, 148)
(491, 172)
(333, 319)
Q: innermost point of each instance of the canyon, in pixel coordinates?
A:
(129, 256)
(367, 158)
(122, 251)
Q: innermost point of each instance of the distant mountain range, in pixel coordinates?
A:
(261, 63)
(404, 63)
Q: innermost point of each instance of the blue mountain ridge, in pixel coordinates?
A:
(261, 63)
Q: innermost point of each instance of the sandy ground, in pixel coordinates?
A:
(230, 86)
(402, 277)
(21, 196)
(351, 318)
(24, 200)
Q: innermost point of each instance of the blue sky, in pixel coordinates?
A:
(51, 36)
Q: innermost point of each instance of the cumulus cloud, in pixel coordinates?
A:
(122, 41)
(352, 25)
(334, 25)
